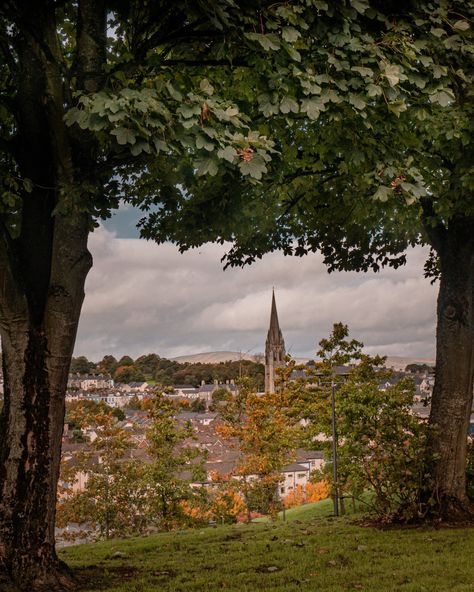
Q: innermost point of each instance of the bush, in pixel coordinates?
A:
(382, 448)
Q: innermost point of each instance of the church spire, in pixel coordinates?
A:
(274, 330)
(274, 348)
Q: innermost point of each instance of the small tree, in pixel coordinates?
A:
(174, 464)
(198, 406)
(381, 444)
(262, 429)
(311, 492)
(114, 489)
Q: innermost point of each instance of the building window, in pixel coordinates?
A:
(301, 475)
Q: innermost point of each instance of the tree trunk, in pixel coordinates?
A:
(44, 262)
(453, 390)
(37, 349)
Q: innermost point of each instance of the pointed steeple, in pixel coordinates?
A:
(274, 348)
(274, 331)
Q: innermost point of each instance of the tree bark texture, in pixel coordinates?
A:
(453, 390)
(42, 276)
(36, 358)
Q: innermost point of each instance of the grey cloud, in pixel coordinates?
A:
(141, 297)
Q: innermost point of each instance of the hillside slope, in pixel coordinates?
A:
(314, 553)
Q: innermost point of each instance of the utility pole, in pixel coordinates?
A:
(334, 450)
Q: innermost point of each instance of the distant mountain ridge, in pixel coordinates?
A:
(395, 362)
(217, 357)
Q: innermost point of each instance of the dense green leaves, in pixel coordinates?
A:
(372, 124)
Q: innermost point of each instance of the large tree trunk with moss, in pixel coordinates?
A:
(452, 395)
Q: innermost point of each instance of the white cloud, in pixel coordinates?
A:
(141, 297)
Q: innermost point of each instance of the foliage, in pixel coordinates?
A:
(198, 406)
(81, 365)
(107, 365)
(219, 398)
(118, 414)
(172, 455)
(382, 446)
(220, 503)
(381, 443)
(261, 428)
(373, 78)
(125, 495)
(310, 493)
(419, 368)
(128, 373)
(135, 403)
(112, 500)
(83, 413)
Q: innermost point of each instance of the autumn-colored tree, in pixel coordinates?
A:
(266, 436)
(220, 502)
(128, 373)
(311, 492)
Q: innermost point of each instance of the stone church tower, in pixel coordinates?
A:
(274, 349)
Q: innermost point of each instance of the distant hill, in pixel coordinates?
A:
(217, 357)
(395, 362)
(400, 363)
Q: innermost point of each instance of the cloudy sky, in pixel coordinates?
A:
(143, 298)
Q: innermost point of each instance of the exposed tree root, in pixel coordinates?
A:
(56, 578)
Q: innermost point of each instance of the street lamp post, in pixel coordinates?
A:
(334, 450)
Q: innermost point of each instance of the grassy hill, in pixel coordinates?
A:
(307, 552)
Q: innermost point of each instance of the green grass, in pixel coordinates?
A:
(307, 511)
(308, 552)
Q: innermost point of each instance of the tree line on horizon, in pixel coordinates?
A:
(165, 372)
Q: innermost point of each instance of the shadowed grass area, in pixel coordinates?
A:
(307, 552)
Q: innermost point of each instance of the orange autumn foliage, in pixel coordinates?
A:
(224, 505)
(312, 492)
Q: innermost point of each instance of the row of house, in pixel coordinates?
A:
(222, 456)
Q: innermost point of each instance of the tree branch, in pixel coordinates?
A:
(435, 230)
(185, 62)
(91, 43)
